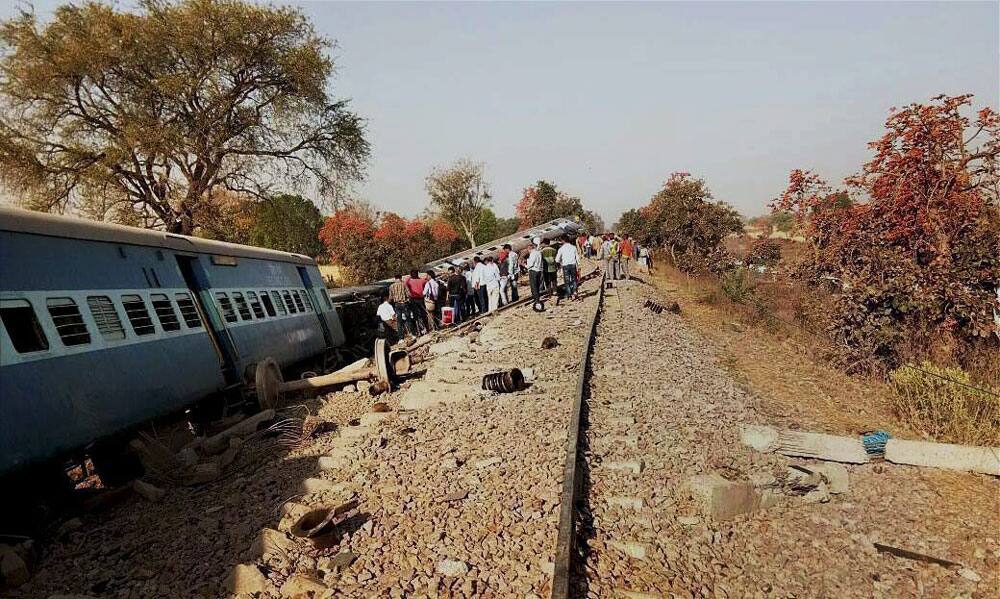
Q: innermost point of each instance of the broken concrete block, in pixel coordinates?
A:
(374, 418)
(13, 569)
(337, 562)
(270, 543)
(319, 485)
(985, 460)
(453, 568)
(218, 443)
(836, 476)
(202, 473)
(300, 585)
(722, 499)
(245, 579)
(147, 491)
(807, 445)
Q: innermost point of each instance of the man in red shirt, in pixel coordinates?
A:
(415, 285)
(626, 256)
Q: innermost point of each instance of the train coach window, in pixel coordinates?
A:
(255, 304)
(138, 315)
(69, 323)
(298, 300)
(280, 305)
(288, 302)
(226, 306)
(109, 325)
(22, 326)
(265, 299)
(165, 312)
(189, 312)
(241, 305)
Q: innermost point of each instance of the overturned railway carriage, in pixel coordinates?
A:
(104, 327)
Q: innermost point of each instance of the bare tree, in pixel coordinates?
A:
(460, 194)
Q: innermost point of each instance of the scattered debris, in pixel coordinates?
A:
(674, 308)
(723, 499)
(320, 521)
(920, 557)
(338, 562)
(507, 381)
(245, 579)
(688, 520)
(550, 342)
(971, 575)
(13, 568)
(220, 442)
(302, 585)
(455, 496)
(148, 491)
(380, 407)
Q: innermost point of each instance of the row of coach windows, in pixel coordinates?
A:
(239, 306)
(26, 333)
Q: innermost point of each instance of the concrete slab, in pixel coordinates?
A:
(985, 460)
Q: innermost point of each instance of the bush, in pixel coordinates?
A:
(738, 285)
(945, 410)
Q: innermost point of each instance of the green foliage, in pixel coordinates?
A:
(738, 285)
(289, 223)
(763, 252)
(927, 399)
(146, 117)
(543, 202)
(491, 227)
(460, 194)
(682, 219)
(783, 221)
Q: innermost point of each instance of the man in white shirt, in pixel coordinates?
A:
(536, 269)
(477, 284)
(387, 314)
(513, 269)
(568, 259)
(490, 279)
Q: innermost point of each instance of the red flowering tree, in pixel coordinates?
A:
(919, 260)
(370, 247)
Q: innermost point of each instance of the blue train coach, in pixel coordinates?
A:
(104, 327)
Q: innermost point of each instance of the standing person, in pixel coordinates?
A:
(626, 256)
(491, 283)
(644, 259)
(399, 295)
(388, 325)
(470, 291)
(513, 270)
(604, 255)
(456, 293)
(595, 245)
(482, 301)
(615, 262)
(415, 285)
(432, 298)
(568, 258)
(536, 270)
(504, 267)
(549, 255)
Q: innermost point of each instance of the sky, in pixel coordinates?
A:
(607, 99)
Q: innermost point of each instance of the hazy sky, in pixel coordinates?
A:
(607, 99)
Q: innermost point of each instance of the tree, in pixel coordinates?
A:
(459, 193)
(490, 227)
(682, 219)
(919, 260)
(145, 117)
(543, 202)
(370, 246)
(289, 223)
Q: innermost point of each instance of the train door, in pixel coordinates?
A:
(318, 305)
(197, 281)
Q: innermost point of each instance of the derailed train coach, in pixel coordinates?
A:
(105, 327)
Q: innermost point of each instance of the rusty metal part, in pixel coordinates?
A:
(270, 385)
(507, 381)
(320, 521)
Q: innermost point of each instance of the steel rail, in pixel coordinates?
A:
(572, 480)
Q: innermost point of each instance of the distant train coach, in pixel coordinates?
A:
(104, 327)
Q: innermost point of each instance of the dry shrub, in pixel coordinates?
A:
(738, 285)
(929, 401)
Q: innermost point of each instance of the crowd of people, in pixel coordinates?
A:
(419, 303)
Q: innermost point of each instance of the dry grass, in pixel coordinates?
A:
(957, 412)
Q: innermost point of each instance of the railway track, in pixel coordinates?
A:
(605, 529)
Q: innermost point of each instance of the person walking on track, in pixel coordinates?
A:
(568, 258)
(513, 270)
(626, 249)
(549, 255)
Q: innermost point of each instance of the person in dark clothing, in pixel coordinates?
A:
(415, 285)
(456, 292)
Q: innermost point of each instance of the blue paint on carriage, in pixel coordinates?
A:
(63, 398)
(56, 405)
